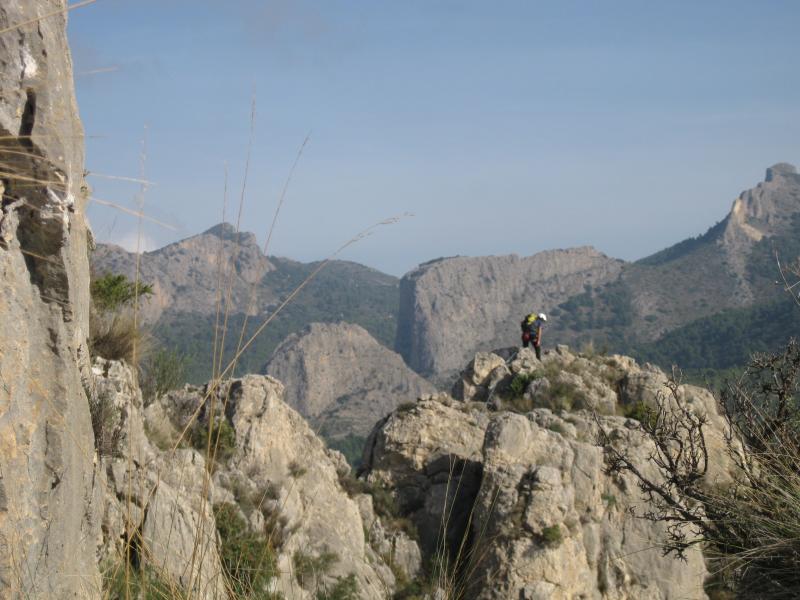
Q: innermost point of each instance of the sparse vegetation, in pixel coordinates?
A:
(223, 439)
(640, 412)
(351, 445)
(248, 558)
(143, 584)
(105, 423)
(311, 569)
(751, 527)
(551, 536)
(114, 332)
(520, 383)
(345, 588)
(162, 371)
(296, 469)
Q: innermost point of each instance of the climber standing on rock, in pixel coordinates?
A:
(532, 326)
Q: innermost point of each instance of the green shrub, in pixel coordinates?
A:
(345, 588)
(142, 584)
(641, 412)
(111, 292)
(162, 371)
(113, 331)
(309, 570)
(520, 383)
(248, 558)
(551, 536)
(223, 438)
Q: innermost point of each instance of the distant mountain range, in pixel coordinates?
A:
(190, 278)
(704, 302)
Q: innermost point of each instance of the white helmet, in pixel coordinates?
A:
(543, 316)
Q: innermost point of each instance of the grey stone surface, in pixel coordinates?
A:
(524, 492)
(48, 502)
(341, 379)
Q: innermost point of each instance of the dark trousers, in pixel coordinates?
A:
(536, 347)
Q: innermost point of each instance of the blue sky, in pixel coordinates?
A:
(504, 127)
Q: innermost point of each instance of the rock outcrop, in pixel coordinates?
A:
(451, 307)
(157, 514)
(507, 482)
(48, 502)
(274, 471)
(341, 379)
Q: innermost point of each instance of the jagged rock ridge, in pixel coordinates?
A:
(274, 472)
(519, 498)
(341, 379)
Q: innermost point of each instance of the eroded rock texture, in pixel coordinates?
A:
(507, 481)
(283, 481)
(47, 499)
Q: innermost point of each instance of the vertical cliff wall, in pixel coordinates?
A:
(47, 541)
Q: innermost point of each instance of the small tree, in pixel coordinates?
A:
(114, 332)
(752, 527)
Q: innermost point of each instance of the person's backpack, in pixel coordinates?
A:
(527, 322)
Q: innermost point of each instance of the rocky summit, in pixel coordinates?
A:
(515, 493)
(341, 379)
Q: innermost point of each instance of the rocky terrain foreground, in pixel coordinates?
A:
(514, 491)
(497, 490)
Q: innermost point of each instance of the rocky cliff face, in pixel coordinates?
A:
(341, 379)
(515, 501)
(270, 472)
(47, 497)
(451, 307)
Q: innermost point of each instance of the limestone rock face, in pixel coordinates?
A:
(341, 379)
(279, 470)
(560, 524)
(451, 307)
(48, 502)
(511, 465)
(159, 499)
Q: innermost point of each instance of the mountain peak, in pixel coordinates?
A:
(780, 170)
(225, 231)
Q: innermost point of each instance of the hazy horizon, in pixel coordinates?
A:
(506, 128)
